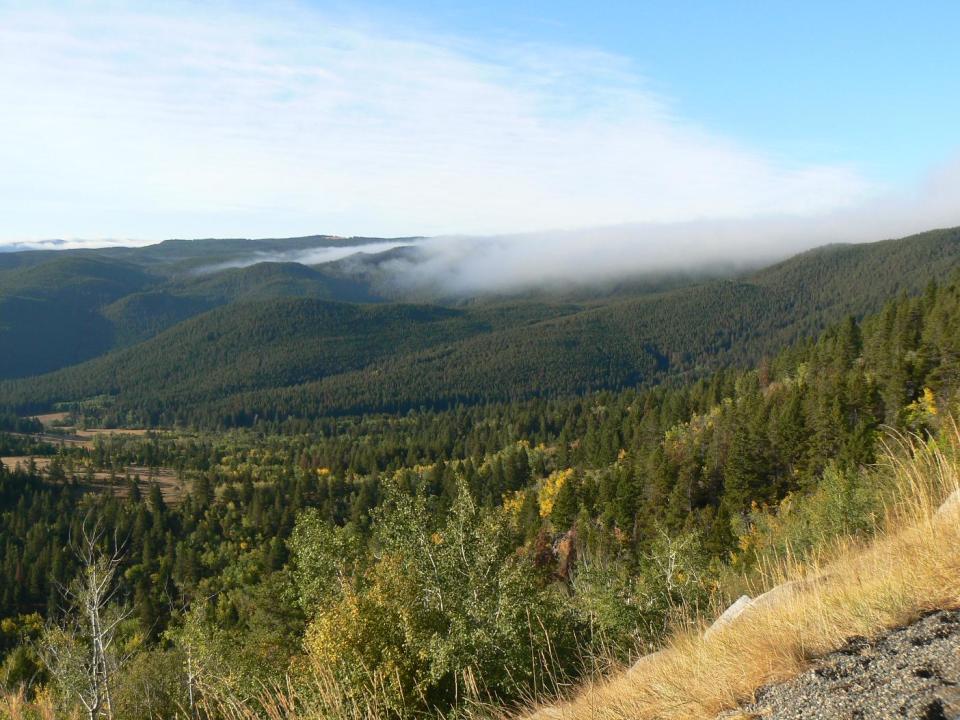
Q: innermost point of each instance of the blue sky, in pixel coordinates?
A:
(872, 83)
(140, 121)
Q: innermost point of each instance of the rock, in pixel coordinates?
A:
(949, 699)
(778, 594)
(644, 660)
(729, 615)
(772, 597)
(950, 505)
(787, 590)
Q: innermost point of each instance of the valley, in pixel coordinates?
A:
(414, 488)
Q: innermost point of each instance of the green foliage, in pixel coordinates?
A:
(61, 308)
(22, 666)
(152, 684)
(844, 504)
(443, 611)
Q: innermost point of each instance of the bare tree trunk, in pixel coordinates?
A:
(191, 679)
(93, 619)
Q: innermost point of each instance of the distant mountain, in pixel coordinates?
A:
(264, 344)
(177, 257)
(58, 308)
(142, 315)
(264, 356)
(48, 311)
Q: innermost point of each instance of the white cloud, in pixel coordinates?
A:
(120, 121)
(312, 256)
(68, 244)
(469, 265)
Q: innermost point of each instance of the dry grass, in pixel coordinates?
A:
(14, 706)
(172, 490)
(51, 419)
(317, 697)
(40, 461)
(910, 566)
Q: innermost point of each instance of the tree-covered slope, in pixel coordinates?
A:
(342, 543)
(142, 315)
(49, 313)
(310, 358)
(61, 308)
(261, 344)
(673, 336)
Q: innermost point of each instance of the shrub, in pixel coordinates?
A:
(441, 613)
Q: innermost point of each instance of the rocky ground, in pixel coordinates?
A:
(910, 672)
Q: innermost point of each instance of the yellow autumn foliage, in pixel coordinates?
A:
(363, 635)
(513, 503)
(550, 488)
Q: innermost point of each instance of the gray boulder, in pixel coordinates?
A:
(742, 604)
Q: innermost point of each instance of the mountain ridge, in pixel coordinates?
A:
(398, 358)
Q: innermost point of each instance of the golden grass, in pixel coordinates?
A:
(910, 566)
(317, 698)
(172, 490)
(14, 706)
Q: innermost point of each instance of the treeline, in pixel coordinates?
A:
(64, 307)
(10, 422)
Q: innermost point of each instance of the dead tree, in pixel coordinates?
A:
(80, 651)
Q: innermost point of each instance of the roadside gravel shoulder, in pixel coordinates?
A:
(909, 672)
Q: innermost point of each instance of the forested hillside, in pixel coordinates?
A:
(400, 555)
(45, 311)
(139, 316)
(274, 358)
(60, 308)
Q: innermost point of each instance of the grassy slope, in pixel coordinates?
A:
(910, 566)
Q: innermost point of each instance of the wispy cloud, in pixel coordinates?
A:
(189, 121)
(311, 256)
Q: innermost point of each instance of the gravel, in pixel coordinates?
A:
(910, 672)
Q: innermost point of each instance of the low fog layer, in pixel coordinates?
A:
(473, 265)
(69, 244)
(469, 265)
(312, 256)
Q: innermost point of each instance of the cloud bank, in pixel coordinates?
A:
(189, 120)
(470, 265)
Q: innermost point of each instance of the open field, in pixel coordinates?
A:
(49, 419)
(85, 438)
(81, 438)
(170, 487)
(11, 461)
